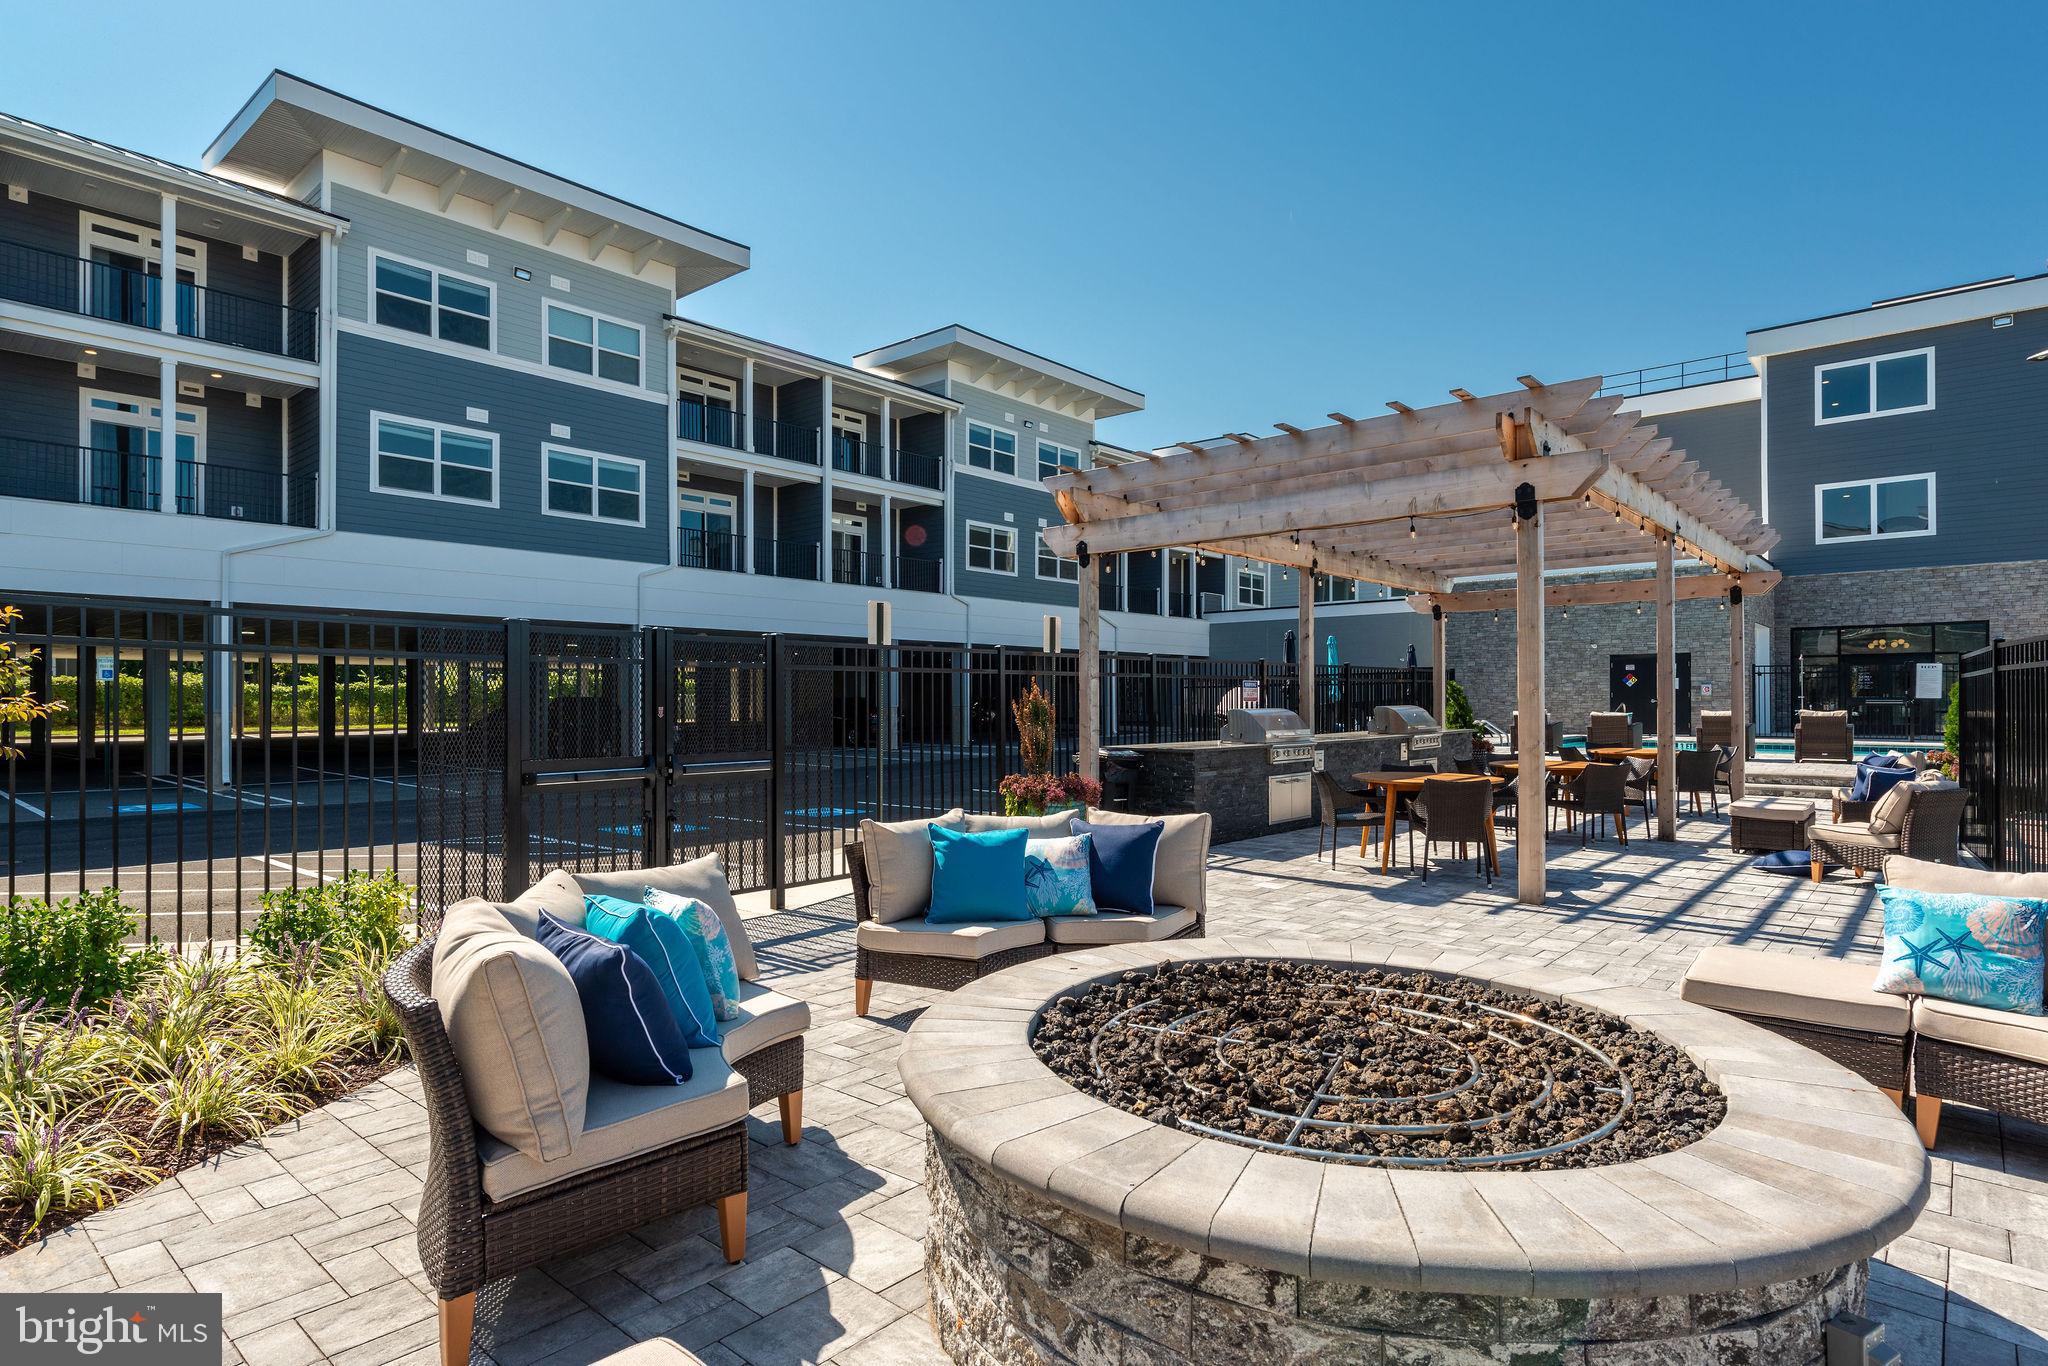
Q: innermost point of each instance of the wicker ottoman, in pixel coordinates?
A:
(1764, 824)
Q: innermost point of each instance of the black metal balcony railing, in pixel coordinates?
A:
(920, 468)
(1106, 597)
(786, 441)
(55, 473)
(1143, 601)
(701, 549)
(851, 455)
(1180, 604)
(859, 567)
(94, 289)
(920, 575)
(786, 559)
(1679, 374)
(711, 424)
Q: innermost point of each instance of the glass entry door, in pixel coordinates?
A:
(123, 465)
(849, 548)
(709, 523)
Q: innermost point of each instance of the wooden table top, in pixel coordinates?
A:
(1413, 781)
(1624, 752)
(1568, 767)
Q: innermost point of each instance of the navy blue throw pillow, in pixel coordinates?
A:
(633, 1033)
(1121, 860)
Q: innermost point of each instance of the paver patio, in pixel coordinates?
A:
(307, 1233)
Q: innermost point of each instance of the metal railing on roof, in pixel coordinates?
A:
(1682, 374)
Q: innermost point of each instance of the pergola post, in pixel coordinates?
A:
(1305, 650)
(1667, 688)
(1438, 662)
(1738, 692)
(1531, 780)
(1088, 669)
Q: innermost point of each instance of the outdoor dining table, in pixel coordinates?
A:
(1399, 782)
(1627, 752)
(1570, 768)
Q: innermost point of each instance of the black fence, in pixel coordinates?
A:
(2002, 754)
(202, 758)
(1779, 692)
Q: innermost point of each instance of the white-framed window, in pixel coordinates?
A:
(1051, 566)
(1877, 386)
(1251, 585)
(992, 549)
(413, 297)
(1336, 590)
(417, 459)
(991, 448)
(1054, 458)
(594, 487)
(592, 344)
(1874, 509)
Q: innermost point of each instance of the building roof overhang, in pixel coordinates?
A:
(999, 363)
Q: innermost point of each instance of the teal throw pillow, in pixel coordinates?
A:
(977, 877)
(1056, 878)
(1976, 950)
(666, 949)
(712, 949)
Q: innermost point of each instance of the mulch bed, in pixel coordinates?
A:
(1389, 1068)
(165, 1159)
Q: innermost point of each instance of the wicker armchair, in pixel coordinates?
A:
(1716, 730)
(1613, 730)
(467, 1240)
(1337, 807)
(1600, 791)
(1699, 771)
(1639, 787)
(1448, 811)
(1823, 735)
(1929, 830)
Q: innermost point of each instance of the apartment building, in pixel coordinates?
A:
(408, 374)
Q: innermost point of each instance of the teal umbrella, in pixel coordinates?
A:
(1330, 660)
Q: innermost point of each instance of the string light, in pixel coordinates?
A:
(1411, 527)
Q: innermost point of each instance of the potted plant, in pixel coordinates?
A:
(1036, 790)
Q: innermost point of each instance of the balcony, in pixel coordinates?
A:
(851, 455)
(93, 289)
(858, 567)
(721, 550)
(920, 468)
(54, 473)
(714, 426)
(920, 575)
(786, 559)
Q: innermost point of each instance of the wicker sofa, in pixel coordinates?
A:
(1921, 818)
(1935, 1050)
(890, 867)
(491, 1209)
(1823, 735)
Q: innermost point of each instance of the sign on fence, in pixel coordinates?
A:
(1927, 682)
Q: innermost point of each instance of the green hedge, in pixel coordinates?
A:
(360, 702)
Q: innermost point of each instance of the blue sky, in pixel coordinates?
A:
(1250, 213)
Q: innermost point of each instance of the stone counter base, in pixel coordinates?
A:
(1015, 1279)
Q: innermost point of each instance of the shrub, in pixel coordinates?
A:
(1459, 708)
(1952, 724)
(358, 912)
(1034, 794)
(49, 1061)
(181, 1012)
(52, 1164)
(220, 1093)
(362, 1011)
(296, 1038)
(75, 950)
(1035, 729)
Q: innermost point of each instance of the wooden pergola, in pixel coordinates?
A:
(1547, 476)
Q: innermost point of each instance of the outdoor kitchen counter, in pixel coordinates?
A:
(1230, 781)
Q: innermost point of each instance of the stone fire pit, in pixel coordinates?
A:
(1067, 1228)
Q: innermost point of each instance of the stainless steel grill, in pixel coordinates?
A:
(1413, 724)
(1285, 735)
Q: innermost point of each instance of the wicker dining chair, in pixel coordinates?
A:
(1699, 771)
(1571, 754)
(1451, 812)
(1600, 791)
(1639, 787)
(1337, 807)
(467, 1240)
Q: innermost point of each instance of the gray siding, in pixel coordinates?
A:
(437, 241)
(801, 403)
(1982, 440)
(1380, 639)
(408, 381)
(39, 398)
(981, 497)
(1725, 441)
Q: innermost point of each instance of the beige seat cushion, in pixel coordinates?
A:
(971, 941)
(766, 1017)
(1180, 873)
(1922, 875)
(557, 894)
(1995, 1031)
(653, 1352)
(1888, 816)
(700, 878)
(1774, 808)
(516, 1024)
(898, 855)
(1853, 832)
(626, 1121)
(1780, 986)
(1115, 927)
(1048, 826)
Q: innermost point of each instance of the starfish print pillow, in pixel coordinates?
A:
(1976, 950)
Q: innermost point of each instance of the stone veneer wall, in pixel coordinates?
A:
(1014, 1278)
(2012, 596)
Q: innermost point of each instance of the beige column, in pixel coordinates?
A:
(1531, 813)
(1667, 690)
(1738, 692)
(1305, 654)
(1088, 692)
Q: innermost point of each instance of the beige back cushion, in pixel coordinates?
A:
(1888, 817)
(516, 1024)
(1049, 826)
(1922, 875)
(701, 878)
(1180, 875)
(899, 859)
(557, 894)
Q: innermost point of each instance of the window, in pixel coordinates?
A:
(992, 549)
(591, 345)
(1336, 590)
(1251, 585)
(1051, 566)
(433, 303)
(991, 448)
(1877, 387)
(1867, 509)
(1054, 458)
(430, 460)
(601, 488)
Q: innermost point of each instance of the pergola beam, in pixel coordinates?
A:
(1306, 554)
(1691, 588)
